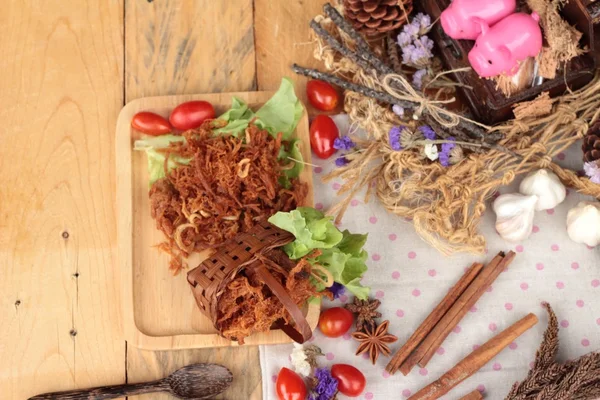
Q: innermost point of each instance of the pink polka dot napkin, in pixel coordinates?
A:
(410, 278)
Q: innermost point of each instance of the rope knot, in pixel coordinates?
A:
(545, 161)
(508, 177)
(405, 92)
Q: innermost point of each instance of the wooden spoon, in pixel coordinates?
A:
(196, 381)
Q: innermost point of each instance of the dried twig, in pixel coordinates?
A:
(363, 46)
(366, 91)
(339, 47)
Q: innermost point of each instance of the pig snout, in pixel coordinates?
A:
(486, 65)
(482, 64)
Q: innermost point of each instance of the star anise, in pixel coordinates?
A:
(365, 311)
(374, 341)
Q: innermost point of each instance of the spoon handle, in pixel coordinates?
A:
(107, 392)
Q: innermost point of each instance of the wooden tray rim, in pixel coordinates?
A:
(124, 211)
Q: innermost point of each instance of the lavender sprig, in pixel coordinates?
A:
(394, 137)
(326, 386)
(592, 170)
(343, 143)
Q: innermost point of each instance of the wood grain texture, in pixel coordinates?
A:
(283, 38)
(188, 46)
(61, 85)
(159, 311)
(216, 43)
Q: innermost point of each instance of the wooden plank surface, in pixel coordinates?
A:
(68, 67)
(61, 90)
(186, 47)
(282, 35)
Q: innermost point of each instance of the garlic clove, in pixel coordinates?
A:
(514, 216)
(583, 223)
(546, 186)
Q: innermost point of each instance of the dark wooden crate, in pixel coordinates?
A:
(488, 104)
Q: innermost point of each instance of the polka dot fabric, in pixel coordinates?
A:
(410, 278)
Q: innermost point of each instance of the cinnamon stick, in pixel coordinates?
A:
(429, 323)
(456, 313)
(478, 289)
(474, 395)
(474, 361)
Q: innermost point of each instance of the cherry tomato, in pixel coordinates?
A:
(322, 95)
(335, 322)
(191, 114)
(150, 123)
(351, 381)
(290, 385)
(323, 133)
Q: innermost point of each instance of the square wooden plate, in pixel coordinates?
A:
(159, 311)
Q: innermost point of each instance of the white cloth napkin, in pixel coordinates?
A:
(410, 278)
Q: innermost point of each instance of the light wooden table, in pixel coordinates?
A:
(67, 68)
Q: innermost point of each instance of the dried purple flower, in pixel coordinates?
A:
(445, 153)
(416, 46)
(343, 143)
(404, 39)
(341, 161)
(428, 132)
(446, 147)
(425, 43)
(394, 137)
(423, 20)
(592, 170)
(326, 386)
(398, 110)
(412, 29)
(418, 78)
(337, 289)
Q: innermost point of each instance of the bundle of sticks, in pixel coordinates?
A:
(422, 345)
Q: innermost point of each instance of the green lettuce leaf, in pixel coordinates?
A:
(310, 227)
(290, 152)
(342, 253)
(282, 112)
(156, 159)
(238, 117)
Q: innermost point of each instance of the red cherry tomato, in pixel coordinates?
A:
(335, 322)
(323, 133)
(322, 95)
(150, 123)
(351, 381)
(290, 386)
(191, 114)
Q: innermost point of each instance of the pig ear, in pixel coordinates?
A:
(483, 26)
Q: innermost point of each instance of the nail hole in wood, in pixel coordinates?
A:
(73, 332)
(17, 303)
(65, 235)
(76, 275)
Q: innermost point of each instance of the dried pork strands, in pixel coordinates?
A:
(247, 306)
(227, 187)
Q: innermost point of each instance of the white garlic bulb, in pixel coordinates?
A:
(583, 223)
(514, 216)
(546, 186)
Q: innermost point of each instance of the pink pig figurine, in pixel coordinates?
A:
(500, 48)
(463, 18)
